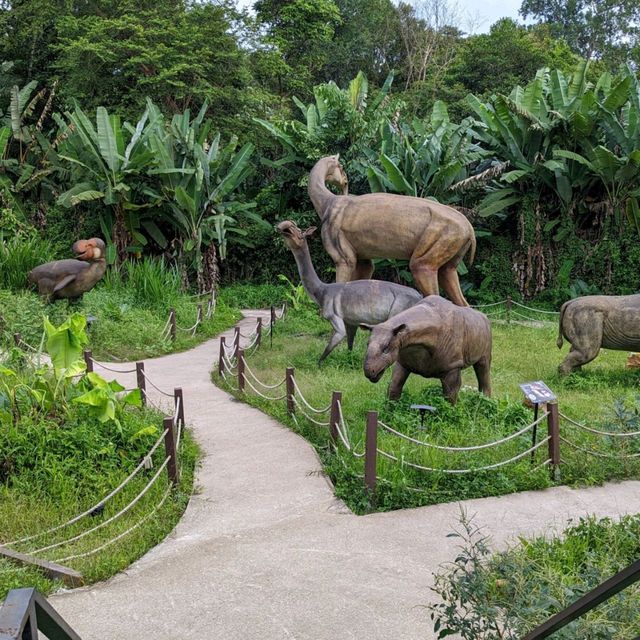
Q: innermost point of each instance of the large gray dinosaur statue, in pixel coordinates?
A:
(593, 322)
(345, 304)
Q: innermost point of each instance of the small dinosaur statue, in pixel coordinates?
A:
(71, 278)
(355, 229)
(345, 304)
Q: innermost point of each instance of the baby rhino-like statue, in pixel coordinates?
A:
(592, 322)
(435, 339)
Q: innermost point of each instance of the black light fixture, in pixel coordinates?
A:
(423, 408)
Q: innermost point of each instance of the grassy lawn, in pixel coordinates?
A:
(603, 395)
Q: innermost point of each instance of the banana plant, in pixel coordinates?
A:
(425, 158)
(109, 163)
(199, 177)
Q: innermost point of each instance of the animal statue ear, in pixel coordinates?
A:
(399, 329)
(366, 327)
(309, 232)
(337, 157)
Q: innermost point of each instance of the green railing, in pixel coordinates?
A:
(589, 601)
(25, 612)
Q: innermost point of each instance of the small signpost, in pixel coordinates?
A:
(423, 408)
(536, 393)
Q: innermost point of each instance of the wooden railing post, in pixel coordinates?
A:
(142, 382)
(553, 425)
(290, 390)
(221, 356)
(371, 451)
(272, 321)
(508, 306)
(241, 370)
(172, 324)
(170, 450)
(236, 341)
(88, 359)
(178, 404)
(259, 332)
(334, 416)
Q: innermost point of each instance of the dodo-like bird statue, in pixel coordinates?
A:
(72, 278)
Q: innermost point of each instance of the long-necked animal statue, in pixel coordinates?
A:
(356, 229)
(349, 304)
(435, 339)
(593, 322)
(72, 278)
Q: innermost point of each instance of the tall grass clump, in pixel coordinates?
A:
(18, 256)
(148, 283)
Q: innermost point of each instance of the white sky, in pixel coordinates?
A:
(483, 13)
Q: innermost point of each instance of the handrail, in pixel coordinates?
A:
(589, 601)
(25, 611)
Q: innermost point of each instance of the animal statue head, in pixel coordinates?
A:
(293, 236)
(383, 348)
(89, 250)
(336, 175)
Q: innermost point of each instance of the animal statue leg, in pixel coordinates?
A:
(363, 270)
(339, 332)
(482, 369)
(585, 336)
(398, 378)
(450, 284)
(451, 384)
(345, 272)
(425, 277)
(351, 335)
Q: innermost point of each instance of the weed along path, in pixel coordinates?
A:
(264, 549)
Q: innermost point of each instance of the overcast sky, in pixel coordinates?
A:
(483, 13)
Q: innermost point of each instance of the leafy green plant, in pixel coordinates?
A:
(295, 293)
(104, 402)
(18, 255)
(65, 344)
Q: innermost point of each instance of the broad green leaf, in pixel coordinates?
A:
(396, 178)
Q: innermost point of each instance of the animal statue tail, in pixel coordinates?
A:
(563, 308)
(472, 249)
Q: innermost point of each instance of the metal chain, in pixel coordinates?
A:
(488, 445)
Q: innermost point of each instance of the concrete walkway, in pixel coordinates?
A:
(265, 551)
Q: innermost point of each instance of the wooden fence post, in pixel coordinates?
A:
(236, 341)
(272, 321)
(371, 451)
(334, 416)
(259, 332)
(178, 404)
(172, 324)
(170, 450)
(553, 425)
(241, 370)
(290, 390)
(88, 359)
(221, 356)
(142, 382)
(508, 306)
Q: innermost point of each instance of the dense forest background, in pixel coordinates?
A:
(186, 129)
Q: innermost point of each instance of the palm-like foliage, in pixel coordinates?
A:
(109, 163)
(199, 178)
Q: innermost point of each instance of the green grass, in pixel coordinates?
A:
(510, 593)
(520, 354)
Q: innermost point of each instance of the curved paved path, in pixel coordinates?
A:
(265, 551)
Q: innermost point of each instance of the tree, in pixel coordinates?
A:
(175, 53)
(300, 31)
(596, 29)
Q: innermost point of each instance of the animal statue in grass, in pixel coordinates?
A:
(346, 304)
(356, 229)
(435, 339)
(72, 278)
(594, 322)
